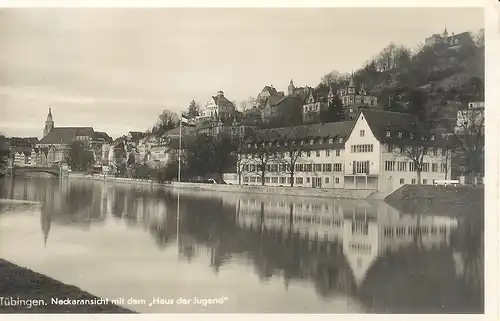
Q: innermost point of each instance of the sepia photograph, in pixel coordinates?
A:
(242, 160)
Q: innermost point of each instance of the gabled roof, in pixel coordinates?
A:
(66, 135)
(274, 99)
(102, 136)
(413, 131)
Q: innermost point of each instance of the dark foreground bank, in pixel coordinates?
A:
(21, 287)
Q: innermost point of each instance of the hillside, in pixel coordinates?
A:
(428, 76)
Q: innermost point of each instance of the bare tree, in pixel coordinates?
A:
(260, 152)
(291, 140)
(469, 136)
(166, 120)
(415, 143)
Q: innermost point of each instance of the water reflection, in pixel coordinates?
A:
(389, 260)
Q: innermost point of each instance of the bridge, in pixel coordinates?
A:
(19, 171)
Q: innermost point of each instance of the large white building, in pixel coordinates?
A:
(369, 153)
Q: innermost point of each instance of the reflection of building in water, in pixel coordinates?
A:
(366, 230)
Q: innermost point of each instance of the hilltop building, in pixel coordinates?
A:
(354, 98)
(464, 38)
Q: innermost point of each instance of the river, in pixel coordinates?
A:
(156, 251)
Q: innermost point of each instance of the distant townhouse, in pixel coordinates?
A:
(267, 92)
(368, 153)
(354, 98)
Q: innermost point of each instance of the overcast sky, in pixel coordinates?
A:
(116, 69)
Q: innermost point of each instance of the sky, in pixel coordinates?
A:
(117, 69)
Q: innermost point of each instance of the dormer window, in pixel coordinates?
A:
(256, 145)
(400, 134)
(270, 144)
(311, 141)
(411, 136)
(387, 133)
(341, 140)
(432, 137)
(330, 141)
(277, 144)
(423, 137)
(321, 141)
(286, 143)
(249, 145)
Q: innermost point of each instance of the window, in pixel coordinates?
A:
(308, 154)
(337, 167)
(425, 167)
(337, 152)
(365, 148)
(387, 134)
(268, 179)
(401, 181)
(389, 165)
(362, 167)
(274, 180)
(245, 179)
(402, 166)
(330, 141)
(424, 181)
(321, 141)
(432, 137)
(400, 135)
(282, 180)
(434, 151)
(362, 133)
(443, 151)
(444, 168)
(317, 167)
(337, 180)
(341, 140)
(390, 148)
(299, 180)
(327, 152)
(412, 167)
(249, 145)
(308, 180)
(413, 181)
(411, 136)
(434, 167)
(327, 167)
(327, 180)
(318, 153)
(311, 141)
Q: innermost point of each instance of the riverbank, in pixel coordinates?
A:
(239, 189)
(18, 284)
(462, 200)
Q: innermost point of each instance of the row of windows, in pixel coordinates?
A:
(295, 142)
(410, 135)
(410, 167)
(411, 230)
(310, 168)
(364, 148)
(286, 180)
(433, 151)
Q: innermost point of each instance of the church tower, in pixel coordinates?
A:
(49, 123)
(291, 88)
(445, 34)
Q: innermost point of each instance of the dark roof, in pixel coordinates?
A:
(186, 130)
(270, 89)
(66, 135)
(135, 136)
(102, 136)
(275, 98)
(411, 128)
(289, 102)
(334, 130)
(222, 101)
